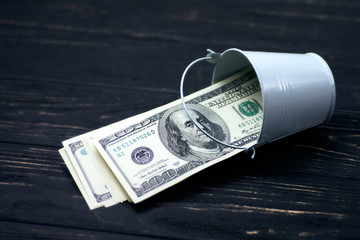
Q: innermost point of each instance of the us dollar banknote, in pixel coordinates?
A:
(76, 178)
(86, 174)
(163, 146)
(89, 170)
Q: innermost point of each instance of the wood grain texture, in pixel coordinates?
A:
(68, 67)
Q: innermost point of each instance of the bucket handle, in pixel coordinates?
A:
(211, 57)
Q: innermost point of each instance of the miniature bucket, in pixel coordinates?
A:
(298, 90)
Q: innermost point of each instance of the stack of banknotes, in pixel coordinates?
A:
(136, 158)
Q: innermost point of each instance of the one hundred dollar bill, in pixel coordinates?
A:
(162, 147)
(84, 177)
(76, 178)
(88, 175)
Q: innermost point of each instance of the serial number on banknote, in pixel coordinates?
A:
(128, 143)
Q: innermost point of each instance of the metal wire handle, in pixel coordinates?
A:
(211, 57)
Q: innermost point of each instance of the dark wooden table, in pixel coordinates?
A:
(68, 67)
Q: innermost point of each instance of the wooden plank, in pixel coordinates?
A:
(16, 230)
(47, 112)
(236, 198)
(103, 37)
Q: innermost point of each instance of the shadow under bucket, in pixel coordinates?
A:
(298, 90)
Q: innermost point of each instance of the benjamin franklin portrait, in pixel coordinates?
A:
(180, 135)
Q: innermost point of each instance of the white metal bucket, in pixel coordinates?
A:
(298, 90)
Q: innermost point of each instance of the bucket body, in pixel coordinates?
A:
(298, 90)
